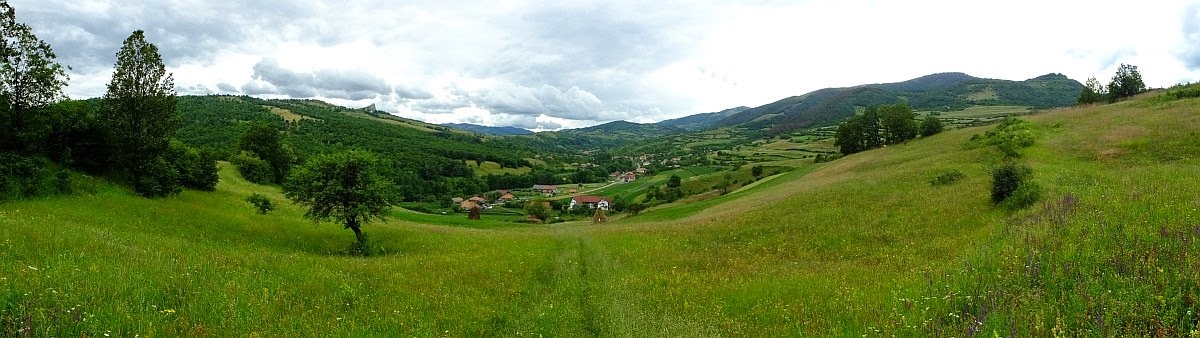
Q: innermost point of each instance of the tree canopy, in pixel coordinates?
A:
(344, 187)
(1127, 82)
(140, 108)
(30, 80)
(875, 127)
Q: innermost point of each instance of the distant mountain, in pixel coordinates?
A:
(486, 130)
(942, 91)
(604, 136)
(701, 121)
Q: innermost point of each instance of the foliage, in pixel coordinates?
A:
(252, 168)
(898, 123)
(930, 126)
(947, 178)
(635, 208)
(1012, 188)
(1009, 137)
(877, 126)
(1092, 92)
(756, 170)
(195, 170)
(1127, 82)
(262, 140)
(343, 187)
(426, 162)
(538, 208)
(674, 182)
(261, 203)
(30, 80)
(139, 107)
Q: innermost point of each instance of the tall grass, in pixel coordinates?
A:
(863, 245)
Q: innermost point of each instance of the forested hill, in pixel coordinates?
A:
(488, 130)
(605, 136)
(943, 91)
(425, 160)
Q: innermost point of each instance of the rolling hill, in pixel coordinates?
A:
(486, 130)
(943, 91)
(861, 246)
(701, 121)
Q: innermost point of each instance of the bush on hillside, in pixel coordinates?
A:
(261, 203)
(1011, 187)
(253, 169)
(947, 178)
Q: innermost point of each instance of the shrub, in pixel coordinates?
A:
(931, 126)
(947, 178)
(253, 169)
(261, 203)
(158, 179)
(1011, 187)
(1026, 195)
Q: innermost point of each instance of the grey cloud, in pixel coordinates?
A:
(1191, 36)
(227, 88)
(349, 85)
(525, 121)
(259, 88)
(193, 90)
(412, 93)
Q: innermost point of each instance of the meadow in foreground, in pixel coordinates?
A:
(861, 245)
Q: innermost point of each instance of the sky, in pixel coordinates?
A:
(545, 65)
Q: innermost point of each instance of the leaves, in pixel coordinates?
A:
(343, 187)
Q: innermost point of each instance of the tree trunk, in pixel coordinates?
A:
(352, 224)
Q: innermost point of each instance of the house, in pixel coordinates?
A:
(640, 170)
(548, 190)
(592, 202)
(506, 197)
(456, 200)
(627, 177)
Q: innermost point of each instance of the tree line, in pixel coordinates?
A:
(127, 136)
(883, 125)
(1125, 83)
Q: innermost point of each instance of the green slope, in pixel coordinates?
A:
(859, 246)
(943, 91)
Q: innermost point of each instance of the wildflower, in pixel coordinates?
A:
(168, 311)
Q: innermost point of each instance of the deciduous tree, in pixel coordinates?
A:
(1127, 82)
(30, 80)
(1092, 92)
(342, 187)
(931, 126)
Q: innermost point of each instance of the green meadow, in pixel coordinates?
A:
(862, 245)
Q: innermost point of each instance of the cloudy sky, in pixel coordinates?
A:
(550, 65)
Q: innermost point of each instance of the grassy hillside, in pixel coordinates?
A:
(863, 245)
(941, 92)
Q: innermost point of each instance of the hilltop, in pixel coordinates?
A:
(937, 92)
(487, 130)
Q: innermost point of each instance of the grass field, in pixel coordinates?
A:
(863, 245)
(493, 168)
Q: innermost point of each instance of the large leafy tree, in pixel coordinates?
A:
(30, 81)
(1127, 82)
(139, 108)
(262, 139)
(898, 122)
(343, 187)
(1092, 92)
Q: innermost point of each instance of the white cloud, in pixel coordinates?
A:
(572, 64)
